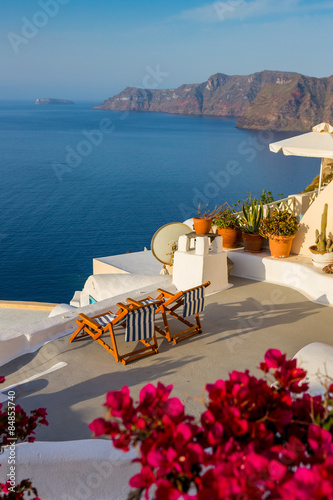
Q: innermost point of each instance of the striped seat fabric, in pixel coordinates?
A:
(148, 301)
(105, 319)
(194, 301)
(140, 324)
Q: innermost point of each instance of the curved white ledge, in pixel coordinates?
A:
(296, 272)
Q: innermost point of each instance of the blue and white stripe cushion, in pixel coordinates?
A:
(194, 302)
(140, 324)
(148, 301)
(105, 319)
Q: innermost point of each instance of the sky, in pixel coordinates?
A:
(93, 49)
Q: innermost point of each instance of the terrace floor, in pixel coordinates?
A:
(14, 314)
(239, 325)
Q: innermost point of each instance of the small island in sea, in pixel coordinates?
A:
(49, 100)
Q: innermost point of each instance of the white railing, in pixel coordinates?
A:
(289, 203)
(296, 203)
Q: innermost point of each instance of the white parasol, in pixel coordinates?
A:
(315, 144)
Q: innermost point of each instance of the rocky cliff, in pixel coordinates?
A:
(274, 100)
(297, 104)
(326, 178)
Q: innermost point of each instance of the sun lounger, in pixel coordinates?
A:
(138, 321)
(193, 303)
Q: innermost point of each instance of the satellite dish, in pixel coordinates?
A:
(165, 241)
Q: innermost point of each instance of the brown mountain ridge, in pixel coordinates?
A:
(274, 100)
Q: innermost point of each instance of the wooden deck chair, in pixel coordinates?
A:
(193, 303)
(138, 322)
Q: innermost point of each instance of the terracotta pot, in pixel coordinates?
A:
(202, 226)
(230, 236)
(252, 242)
(280, 246)
(321, 259)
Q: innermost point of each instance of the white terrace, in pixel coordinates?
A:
(262, 309)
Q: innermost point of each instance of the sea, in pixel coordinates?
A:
(78, 183)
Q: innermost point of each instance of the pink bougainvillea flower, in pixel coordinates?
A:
(290, 453)
(237, 424)
(194, 455)
(141, 423)
(276, 470)
(101, 427)
(41, 414)
(308, 484)
(274, 358)
(163, 392)
(217, 391)
(207, 419)
(122, 442)
(167, 491)
(320, 440)
(219, 484)
(183, 433)
(147, 395)
(281, 417)
(4, 487)
(156, 458)
(254, 441)
(144, 479)
(289, 377)
(174, 408)
(215, 434)
(241, 378)
(98, 427)
(119, 402)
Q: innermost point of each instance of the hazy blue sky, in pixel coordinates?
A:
(92, 49)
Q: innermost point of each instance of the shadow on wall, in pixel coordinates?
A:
(305, 236)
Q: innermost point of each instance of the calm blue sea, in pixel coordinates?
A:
(78, 183)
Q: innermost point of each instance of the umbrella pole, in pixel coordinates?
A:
(321, 175)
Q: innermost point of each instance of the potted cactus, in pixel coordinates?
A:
(252, 214)
(323, 249)
(280, 228)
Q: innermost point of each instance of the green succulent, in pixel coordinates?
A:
(279, 223)
(227, 219)
(252, 216)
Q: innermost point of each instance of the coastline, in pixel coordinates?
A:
(108, 178)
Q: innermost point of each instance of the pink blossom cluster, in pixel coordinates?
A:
(21, 490)
(254, 441)
(24, 431)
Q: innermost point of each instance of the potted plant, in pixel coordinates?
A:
(252, 214)
(227, 224)
(280, 227)
(323, 249)
(203, 222)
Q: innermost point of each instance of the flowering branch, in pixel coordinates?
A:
(254, 441)
(24, 431)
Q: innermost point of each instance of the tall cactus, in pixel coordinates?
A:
(323, 245)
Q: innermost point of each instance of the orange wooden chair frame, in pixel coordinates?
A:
(87, 326)
(171, 302)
